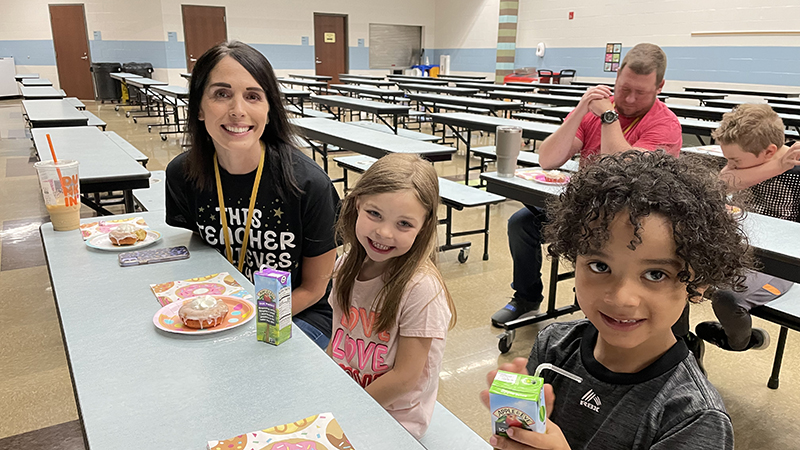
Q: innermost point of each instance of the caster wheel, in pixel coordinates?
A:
(463, 255)
(127, 114)
(506, 339)
(134, 120)
(116, 108)
(163, 137)
(148, 128)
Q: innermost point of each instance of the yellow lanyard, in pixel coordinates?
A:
(631, 125)
(224, 217)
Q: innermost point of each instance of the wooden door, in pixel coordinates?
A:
(71, 43)
(203, 28)
(330, 45)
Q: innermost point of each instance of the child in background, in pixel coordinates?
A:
(767, 175)
(646, 233)
(391, 309)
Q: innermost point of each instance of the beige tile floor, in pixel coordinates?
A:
(35, 389)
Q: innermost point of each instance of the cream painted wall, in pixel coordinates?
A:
(466, 23)
(667, 23)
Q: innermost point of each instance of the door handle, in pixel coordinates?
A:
(193, 59)
(84, 57)
(318, 62)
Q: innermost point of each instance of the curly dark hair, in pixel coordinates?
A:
(709, 240)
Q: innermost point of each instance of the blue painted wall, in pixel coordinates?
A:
(753, 65)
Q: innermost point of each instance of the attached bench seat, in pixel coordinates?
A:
(784, 311)
(525, 159)
(416, 135)
(76, 103)
(308, 112)
(154, 197)
(448, 432)
(453, 195)
(94, 121)
(128, 148)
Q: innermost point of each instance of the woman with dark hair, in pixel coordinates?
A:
(245, 188)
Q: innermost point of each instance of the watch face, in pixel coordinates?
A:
(609, 116)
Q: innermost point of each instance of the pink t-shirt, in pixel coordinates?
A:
(366, 355)
(658, 129)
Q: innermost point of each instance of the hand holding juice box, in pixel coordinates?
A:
(517, 400)
(274, 304)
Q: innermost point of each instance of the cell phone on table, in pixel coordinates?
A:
(152, 256)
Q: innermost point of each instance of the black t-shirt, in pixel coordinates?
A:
(669, 405)
(281, 234)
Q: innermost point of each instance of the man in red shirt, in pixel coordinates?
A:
(602, 123)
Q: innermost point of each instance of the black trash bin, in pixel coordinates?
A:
(105, 87)
(141, 69)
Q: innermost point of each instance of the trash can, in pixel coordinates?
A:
(105, 87)
(141, 69)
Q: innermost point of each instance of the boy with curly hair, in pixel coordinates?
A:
(639, 257)
(766, 174)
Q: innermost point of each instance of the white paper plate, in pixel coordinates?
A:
(102, 242)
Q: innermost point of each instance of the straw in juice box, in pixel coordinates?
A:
(517, 400)
(274, 303)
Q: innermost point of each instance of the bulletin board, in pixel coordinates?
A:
(613, 57)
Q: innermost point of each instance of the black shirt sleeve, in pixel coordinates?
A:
(180, 211)
(320, 206)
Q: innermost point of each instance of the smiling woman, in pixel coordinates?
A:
(247, 190)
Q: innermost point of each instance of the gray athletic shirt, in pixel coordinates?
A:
(669, 405)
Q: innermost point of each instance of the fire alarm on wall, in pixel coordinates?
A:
(571, 15)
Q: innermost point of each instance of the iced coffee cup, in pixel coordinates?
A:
(61, 192)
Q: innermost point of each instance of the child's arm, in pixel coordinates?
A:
(412, 354)
(738, 179)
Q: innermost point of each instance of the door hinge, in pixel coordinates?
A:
(224, 19)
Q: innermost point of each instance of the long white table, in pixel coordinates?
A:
(104, 166)
(40, 92)
(53, 113)
(139, 387)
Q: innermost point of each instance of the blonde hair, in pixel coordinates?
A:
(753, 127)
(644, 59)
(392, 173)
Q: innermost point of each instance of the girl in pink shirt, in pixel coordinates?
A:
(391, 309)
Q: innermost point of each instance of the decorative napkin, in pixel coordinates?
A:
(217, 284)
(320, 432)
(90, 230)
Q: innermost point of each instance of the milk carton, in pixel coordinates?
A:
(274, 304)
(517, 400)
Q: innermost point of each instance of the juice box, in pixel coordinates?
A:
(274, 305)
(517, 401)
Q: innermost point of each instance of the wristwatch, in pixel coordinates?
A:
(609, 116)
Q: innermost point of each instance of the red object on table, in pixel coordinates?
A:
(532, 78)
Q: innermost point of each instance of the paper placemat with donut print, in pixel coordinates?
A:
(320, 432)
(218, 284)
(90, 230)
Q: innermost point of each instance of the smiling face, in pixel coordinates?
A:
(234, 108)
(635, 94)
(633, 297)
(388, 223)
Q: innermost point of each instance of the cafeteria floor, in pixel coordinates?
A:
(38, 406)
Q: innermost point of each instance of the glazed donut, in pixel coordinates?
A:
(203, 312)
(554, 176)
(126, 234)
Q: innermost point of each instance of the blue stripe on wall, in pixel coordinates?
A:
(30, 52)
(747, 65)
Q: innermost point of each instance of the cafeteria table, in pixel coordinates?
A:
(104, 166)
(53, 113)
(137, 386)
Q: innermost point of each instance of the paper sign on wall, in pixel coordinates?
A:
(613, 53)
(330, 38)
